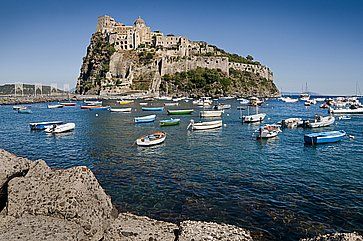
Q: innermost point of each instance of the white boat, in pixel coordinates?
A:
(155, 138)
(356, 111)
(344, 117)
(292, 122)
(206, 125)
(319, 99)
(171, 104)
(243, 101)
(60, 128)
(211, 113)
(258, 117)
(204, 101)
(268, 131)
(92, 102)
(321, 121)
(222, 107)
(145, 119)
(289, 100)
(165, 98)
(120, 109)
(55, 106)
(143, 104)
(254, 101)
(304, 96)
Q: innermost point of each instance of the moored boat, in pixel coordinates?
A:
(320, 121)
(90, 106)
(344, 117)
(44, 125)
(292, 122)
(145, 119)
(92, 102)
(324, 137)
(171, 104)
(68, 103)
(55, 106)
(211, 113)
(125, 102)
(121, 109)
(206, 125)
(268, 131)
(100, 108)
(25, 110)
(55, 129)
(254, 118)
(289, 100)
(222, 107)
(155, 138)
(352, 111)
(152, 108)
(180, 112)
(170, 122)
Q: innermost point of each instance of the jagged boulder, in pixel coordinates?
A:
(72, 194)
(36, 228)
(131, 227)
(336, 237)
(201, 231)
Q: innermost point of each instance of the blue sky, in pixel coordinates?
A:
(314, 41)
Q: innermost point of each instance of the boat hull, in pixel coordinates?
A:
(145, 119)
(44, 125)
(171, 122)
(152, 108)
(254, 118)
(358, 111)
(180, 112)
(211, 113)
(151, 140)
(206, 125)
(61, 128)
(324, 137)
(120, 109)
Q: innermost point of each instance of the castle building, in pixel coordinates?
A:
(140, 35)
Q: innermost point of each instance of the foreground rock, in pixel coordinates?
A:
(131, 227)
(73, 194)
(199, 231)
(336, 237)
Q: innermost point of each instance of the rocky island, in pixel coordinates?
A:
(121, 59)
(40, 203)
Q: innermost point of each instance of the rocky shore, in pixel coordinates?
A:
(40, 203)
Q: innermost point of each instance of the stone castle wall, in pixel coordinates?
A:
(261, 70)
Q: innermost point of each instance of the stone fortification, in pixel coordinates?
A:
(123, 58)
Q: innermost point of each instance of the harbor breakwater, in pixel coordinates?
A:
(40, 203)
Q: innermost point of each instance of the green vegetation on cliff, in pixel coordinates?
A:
(203, 81)
(95, 64)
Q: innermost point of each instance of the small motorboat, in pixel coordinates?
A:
(55, 106)
(254, 118)
(93, 102)
(268, 131)
(125, 102)
(55, 129)
(320, 121)
(152, 108)
(345, 117)
(90, 106)
(44, 125)
(289, 100)
(243, 101)
(170, 122)
(324, 137)
(222, 107)
(25, 110)
(171, 104)
(206, 125)
(120, 109)
(17, 107)
(155, 138)
(292, 122)
(100, 108)
(68, 103)
(211, 113)
(180, 112)
(352, 111)
(145, 119)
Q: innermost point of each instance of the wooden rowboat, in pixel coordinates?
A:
(145, 119)
(206, 125)
(170, 122)
(180, 112)
(155, 138)
(324, 137)
(121, 109)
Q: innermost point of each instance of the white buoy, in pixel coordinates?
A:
(227, 114)
(96, 114)
(224, 125)
(351, 137)
(269, 118)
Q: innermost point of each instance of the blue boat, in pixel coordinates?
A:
(43, 125)
(324, 137)
(100, 108)
(152, 108)
(145, 119)
(25, 111)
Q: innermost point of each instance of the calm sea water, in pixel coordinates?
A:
(279, 188)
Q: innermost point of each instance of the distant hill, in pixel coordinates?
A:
(28, 89)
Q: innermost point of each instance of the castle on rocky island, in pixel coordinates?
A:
(123, 58)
